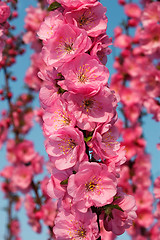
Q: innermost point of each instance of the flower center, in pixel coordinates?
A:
(88, 103)
(90, 186)
(87, 18)
(68, 47)
(81, 232)
(67, 145)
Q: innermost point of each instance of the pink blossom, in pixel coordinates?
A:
(72, 3)
(49, 92)
(84, 75)
(132, 10)
(67, 42)
(121, 220)
(57, 116)
(150, 40)
(157, 187)
(66, 147)
(2, 44)
(76, 225)
(25, 151)
(50, 25)
(90, 17)
(15, 227)
(54, 187)
(130, 96)
(34, 17)
(4, 12)
(92, 185)
(22, 177)
(100, 48)
(104, 141)
(91, 110)
(49, 211)
(145, 217)
(151, 14)
(145, 200)
(122, 41)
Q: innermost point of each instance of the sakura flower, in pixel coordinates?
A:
(57, 117)
(72, 3)
(150, 40)
(49, 92)
(90, 17)
(145, 217)
(50, 24)
(4, 12)
(91, 110)
(100, 48)
(49, 212)
(22, 177)
(132, 10)
(67, 42)
(54, 187)
(92, 185)
(76, 225)
(104, 141)
(66, 147)
(151, 14)
(117, 220)
(122, 41)
(84, 75)
(15, 227)
(157, 188)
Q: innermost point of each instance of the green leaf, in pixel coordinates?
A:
(64, 182)
(54, 6)
(117, 207)
(116, 197)
(87, 139)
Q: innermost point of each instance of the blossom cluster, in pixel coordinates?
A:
(4, 25)
(137, 82)
(79, 123)
(25, 165)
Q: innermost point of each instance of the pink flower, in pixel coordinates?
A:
(84, 75)
(4, 12)
(54, 187)
(15, 227)
(150, 40)
(75, 225)
(121, 219)
(104, 141)
(22, 177)
(90, 17)
(157, 187)
(132, 10)
(151, 14)
(57, 116)
(145, 217)
(49, 211)
(91, 110)
(25, 151)
(100, 48)
(50, 25)
(67, 42)
(66, 147)
(122, 41)
(92, 185)
(49, 92)
(72, 3)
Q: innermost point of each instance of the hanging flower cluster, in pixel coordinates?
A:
(79, 123)
(137, 80)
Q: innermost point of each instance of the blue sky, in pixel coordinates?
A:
(151, 128)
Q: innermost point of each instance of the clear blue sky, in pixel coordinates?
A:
(152, 129)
